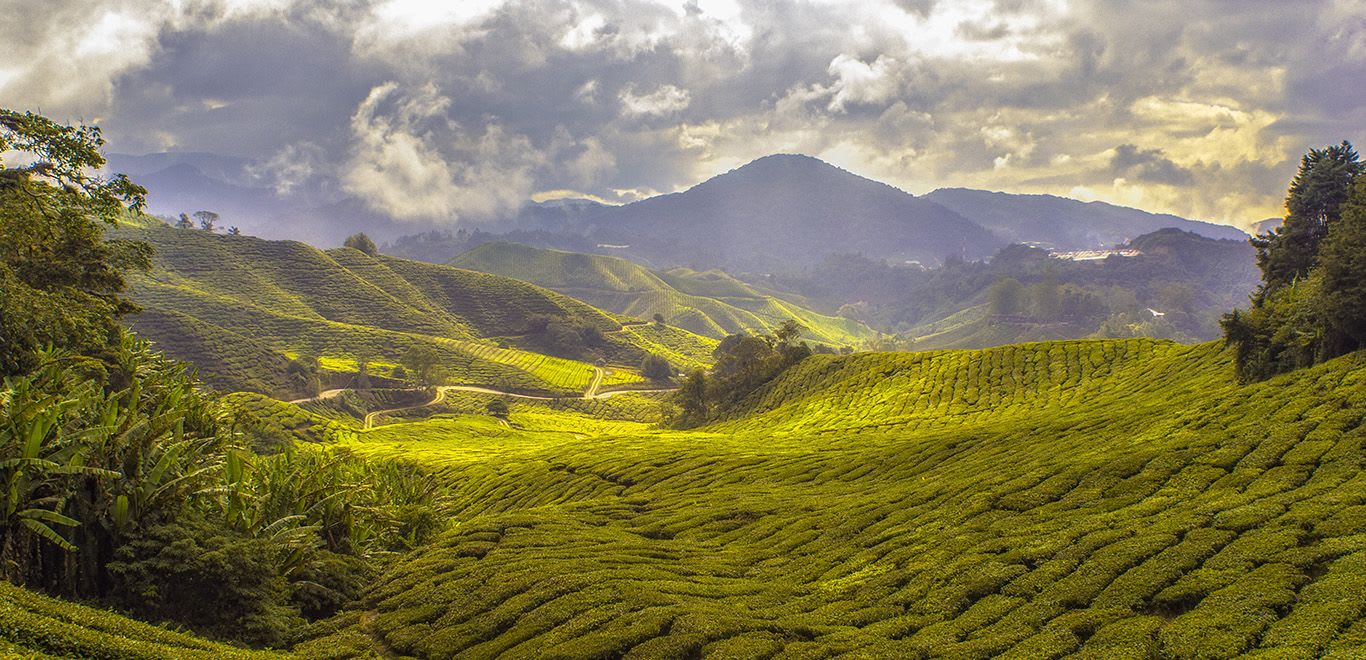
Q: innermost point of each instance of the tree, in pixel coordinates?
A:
(362, 371)
(1343, 271)
(743, 363)
(207, 220)
(234, 231)
(1309, 307)
(363, 243)
(304, 374)
(1313, 204)
(184, 222)
(498, 408)
(656, 368)
(658, 319)
(65, 157)
(1006, 297)
(61, 281)
(692, 400)
(423, 364)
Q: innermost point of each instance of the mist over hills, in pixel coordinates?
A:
(1065, 224)
(782, 212)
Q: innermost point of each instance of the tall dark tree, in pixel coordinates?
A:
(1309, 307)
(692, 400)
(1313, 204)
(1343, 270)
(184, 222)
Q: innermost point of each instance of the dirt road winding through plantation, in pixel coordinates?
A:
(591, 393)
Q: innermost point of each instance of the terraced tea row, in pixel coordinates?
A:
(1106, 499)
(712, 304)
(34, 626)
(233, 304)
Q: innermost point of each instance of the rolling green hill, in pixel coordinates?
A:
(1108, 499)
(1168, 283)
(235, 306)
(710, 303)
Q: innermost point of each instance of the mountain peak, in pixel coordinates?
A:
(786, 164)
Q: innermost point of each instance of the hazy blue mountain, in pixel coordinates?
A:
(1063, 223)
(188, 182)
(783, 212)
(1267, 225)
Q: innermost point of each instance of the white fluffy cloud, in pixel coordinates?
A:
(857, 81)
(664, 100)
(410, 161)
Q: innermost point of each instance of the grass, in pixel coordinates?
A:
(712, 304)
(1098, 498)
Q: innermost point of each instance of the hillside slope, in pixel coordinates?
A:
(711, 304)
(35, 626)
(235, 306)
(1168, 283)
(1112, 499)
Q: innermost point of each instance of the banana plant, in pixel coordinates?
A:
(38, 460)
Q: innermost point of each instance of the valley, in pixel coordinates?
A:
(795, 413)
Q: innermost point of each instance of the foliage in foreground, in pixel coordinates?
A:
(132, 487)
(61, 282)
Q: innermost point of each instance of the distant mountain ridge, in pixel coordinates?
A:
(786, 210)
(1063, 223)
(783, 212)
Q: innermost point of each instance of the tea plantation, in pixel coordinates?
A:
(1091, 499)
(1103, 499)
(712, 304)
(34, 626)
(236, 306)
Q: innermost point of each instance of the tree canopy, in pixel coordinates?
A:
(1311, 306)
(363, 243)
(61, 282)
(1313, 203)
(743, 363)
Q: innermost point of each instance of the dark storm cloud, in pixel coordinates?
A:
(461, 110)
(245, 88)
(1147, 165)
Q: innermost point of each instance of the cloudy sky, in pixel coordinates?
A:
(1196, 108)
